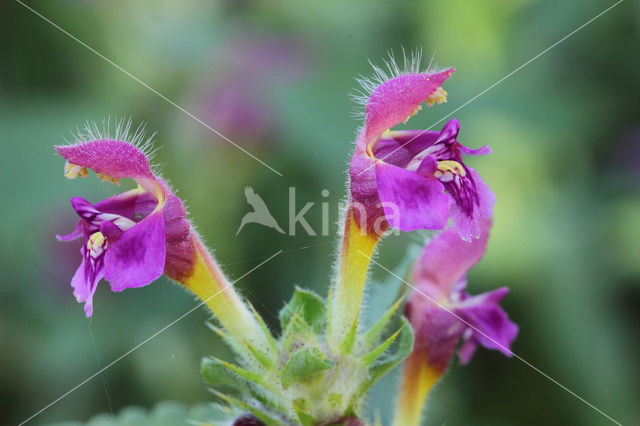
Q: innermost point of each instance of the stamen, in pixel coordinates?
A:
(109, 179)
(415, 111)
(72, 171)
(96, 243)
(437, 97)
(447, 169)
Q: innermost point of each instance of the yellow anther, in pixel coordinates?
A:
(448, 169)
(72, 171)
(415, 111)
(109, 179)
(437, 97)
(96, 241)
(452, 166)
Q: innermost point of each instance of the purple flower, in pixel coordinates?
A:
(415, 179)
(439, 276)
(238, 99)
(134, 237)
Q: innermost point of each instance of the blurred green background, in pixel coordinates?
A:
(274, 77)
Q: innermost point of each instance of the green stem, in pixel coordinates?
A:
(209, 283)
(355, 255)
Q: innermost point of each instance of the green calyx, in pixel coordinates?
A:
(301, 381)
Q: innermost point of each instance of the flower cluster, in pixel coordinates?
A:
(322, 366)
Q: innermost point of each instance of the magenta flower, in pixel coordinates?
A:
(415, 179)
(237, 100)
(132, 238)
(439, 276)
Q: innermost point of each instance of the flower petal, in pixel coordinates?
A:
(83, 286)
(447, 258)
(449, 131)
(492, 327)
(467, 350)
(138, 256)
(116, 159)
(135, 204)
(415, 141)
(484, 150)
(471, 227)
(437, 332)
(73, 235)
(390, 151)
(393, 101)
(411, 201)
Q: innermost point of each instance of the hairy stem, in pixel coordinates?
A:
(355, 253)
(209, 283)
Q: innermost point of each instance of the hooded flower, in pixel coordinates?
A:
(442, 312)
(134, 237)
(414, 179)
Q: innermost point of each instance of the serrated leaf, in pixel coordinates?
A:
(310, 306)
(372, 335)
(303, 365)
(369, 358)
(382, 367)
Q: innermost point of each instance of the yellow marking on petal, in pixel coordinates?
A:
(370, 152)
(437, 97)
(153, 187)
(96, 240)
(72, 171)
(451, 166)
(109, 179)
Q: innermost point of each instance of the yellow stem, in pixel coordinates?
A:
(418, 378)
(209, 283)
(355, 253)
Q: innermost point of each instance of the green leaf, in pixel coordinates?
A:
(272, 341)
(303, 365)
(372, 335)
(237, 349)
(264, 359)
(310, 306)
(244, 373)
(385, 364)
(289, 333)
(346, 346)
(162, 414)
(221, 373)
(217, 375)
(369, 358)
(264, 417)
(301, 406)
